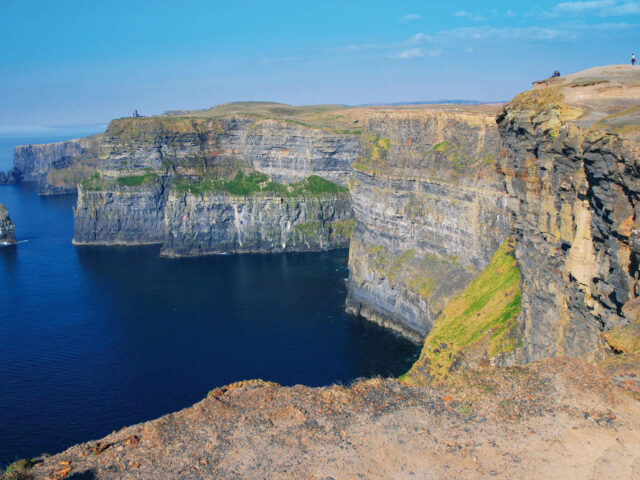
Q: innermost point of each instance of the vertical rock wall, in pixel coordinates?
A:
(430, 210)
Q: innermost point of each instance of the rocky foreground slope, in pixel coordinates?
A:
(552, 419)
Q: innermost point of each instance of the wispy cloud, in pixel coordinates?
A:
(409, 18)
(416, 53)
(602, 8)
(469, 15)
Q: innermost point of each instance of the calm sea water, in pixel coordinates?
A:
(96, 338)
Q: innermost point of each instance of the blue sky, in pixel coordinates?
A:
(70, 62)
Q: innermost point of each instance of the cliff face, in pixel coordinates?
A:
(575, 183)
(120, 215)
(286, 151)
(430, 210)
(219, 223)
(174, 180)
(7, 228)
(57, 167)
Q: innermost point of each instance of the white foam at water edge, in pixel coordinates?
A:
(7, 244)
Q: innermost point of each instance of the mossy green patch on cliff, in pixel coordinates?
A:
(625, 338)
(94, 182)
(441, 147)
(309, 229)
(18, 470)
(375, 151)
(343, 228)
(482, 317)
(137, 180)
(257, 183)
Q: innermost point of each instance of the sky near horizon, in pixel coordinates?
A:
(76, 62)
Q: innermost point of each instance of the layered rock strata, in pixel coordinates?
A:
(575, 183)
(222, 223)
(430, 209)
(57, 167)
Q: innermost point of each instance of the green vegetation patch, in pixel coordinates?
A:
(257, 183)
(484, 313)
(94, 182)
(625, 338)
(441, 147)
(137, 180)
(375, 152)
(18, 470)
(343, 228)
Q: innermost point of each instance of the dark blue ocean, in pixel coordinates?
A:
(96, 338)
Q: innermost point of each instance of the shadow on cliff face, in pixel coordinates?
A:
(86, 475)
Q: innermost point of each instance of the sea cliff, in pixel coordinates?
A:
(430, 208)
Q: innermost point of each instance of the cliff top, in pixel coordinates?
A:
(344, 119)
(606, 97)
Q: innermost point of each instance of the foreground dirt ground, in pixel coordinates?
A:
(551, 419)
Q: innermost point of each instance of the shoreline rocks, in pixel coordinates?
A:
(7, 228)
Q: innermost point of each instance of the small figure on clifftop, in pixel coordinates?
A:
(633, 59)
(135, 114)
(556, 73)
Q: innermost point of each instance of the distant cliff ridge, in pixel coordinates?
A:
(57, 167)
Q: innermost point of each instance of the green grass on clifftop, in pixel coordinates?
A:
(257, 183)
(480, 322)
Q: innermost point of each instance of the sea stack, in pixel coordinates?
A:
(7, 228)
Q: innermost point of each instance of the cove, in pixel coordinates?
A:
(96, 338)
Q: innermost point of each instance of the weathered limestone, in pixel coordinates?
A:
(575, 183)
(430, 210)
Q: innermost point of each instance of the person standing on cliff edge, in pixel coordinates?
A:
(633, 59)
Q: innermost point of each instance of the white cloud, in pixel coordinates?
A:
(469, 15)
(416, 53)
(418, 38)
(409, 18)
(602, 8)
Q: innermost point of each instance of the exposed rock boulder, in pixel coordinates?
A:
(7, 228)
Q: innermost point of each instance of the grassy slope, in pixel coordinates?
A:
(259, 183)
(483, 314)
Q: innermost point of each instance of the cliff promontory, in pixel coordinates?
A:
(245, 177)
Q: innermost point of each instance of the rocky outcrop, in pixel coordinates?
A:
(222, 223)
(575, 185)
(9, 177)
(57, 167)
(430, 209)
(7, 228)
